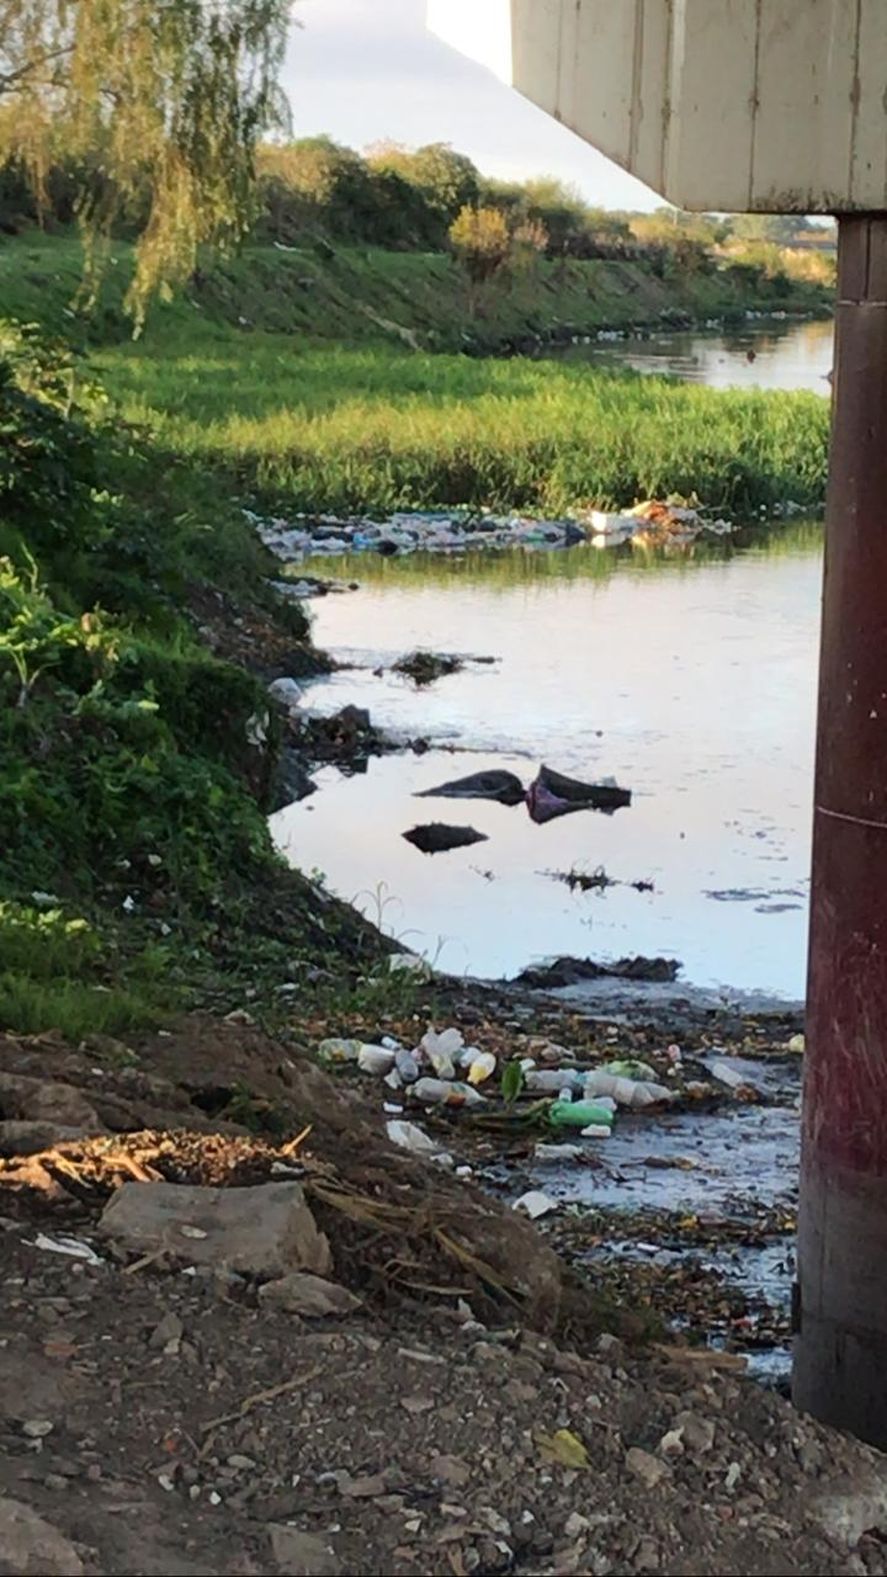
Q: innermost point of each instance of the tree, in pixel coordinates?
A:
(161, 103)
(779, 229)
(449, 180)
(529, 240)
(481, 240)
(314, 182)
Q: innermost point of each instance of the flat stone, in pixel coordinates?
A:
(167, 1333)
(311, 1296)
(576, 1524)
(450, 1470)
(646, 1556)
(31, 1546)
(517, 1392)
(649, 1469)
(417, 1404)
(672, 1443)
(298, 1554)
(365, 1487)
(697, 1433)
(263, 1231)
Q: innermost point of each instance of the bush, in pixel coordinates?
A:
(50, 484)
(481, 241)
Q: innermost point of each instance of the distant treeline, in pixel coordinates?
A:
(406, 199)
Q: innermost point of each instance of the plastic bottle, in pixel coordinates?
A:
(375, 1059)
(467, 1056)
(483, 1065)
(557, 1152)
(409, 1137)
(579, 1114)
(550, 1081)
(442, 1092)
(449, 1041)
(440, 1051)
(635, 1093)
(442, 1063)
(628, 1068)
(407, 1066)
(335, 1050)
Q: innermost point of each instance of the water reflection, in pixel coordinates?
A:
(782, 355)
(690, 680)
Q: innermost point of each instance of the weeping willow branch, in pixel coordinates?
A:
(158, 104)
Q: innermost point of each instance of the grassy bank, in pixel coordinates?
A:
(356, 296)
(137, 747)
(285, 384)
(353, 430)
(137, 630)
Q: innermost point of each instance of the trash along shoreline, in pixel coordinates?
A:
(242, 1299)
(473, 1277)
(675, 523)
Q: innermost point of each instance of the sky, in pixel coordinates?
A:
(365, 71)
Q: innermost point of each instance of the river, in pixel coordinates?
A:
(689, 678)
(783, 354)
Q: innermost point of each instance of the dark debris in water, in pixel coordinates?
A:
(424, 667)
(595, 881)
(435, 837)
(567, 971)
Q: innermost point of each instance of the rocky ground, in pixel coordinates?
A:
(329, 1355)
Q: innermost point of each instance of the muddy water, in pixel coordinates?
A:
(775, 355)
(689, 680)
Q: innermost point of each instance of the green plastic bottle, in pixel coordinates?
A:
(579, 1114)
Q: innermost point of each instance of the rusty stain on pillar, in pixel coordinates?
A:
(840, 1349)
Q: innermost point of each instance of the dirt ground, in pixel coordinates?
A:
(481, 1411)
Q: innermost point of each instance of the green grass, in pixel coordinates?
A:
(246, 378)
(366, 295)
(58, 972)
(127, 787)
(132, 793)
(375, 429)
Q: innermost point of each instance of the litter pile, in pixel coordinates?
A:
(653, 524)
(410, 531)
(302, 536)
(556, 1096)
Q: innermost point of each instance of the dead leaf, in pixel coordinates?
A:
(564, 1448)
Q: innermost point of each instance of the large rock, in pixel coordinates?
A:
(551, 795)
(263, 1231)
(27, 1138)
(38, 1113)
(32, 1547)
(311, 1296)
